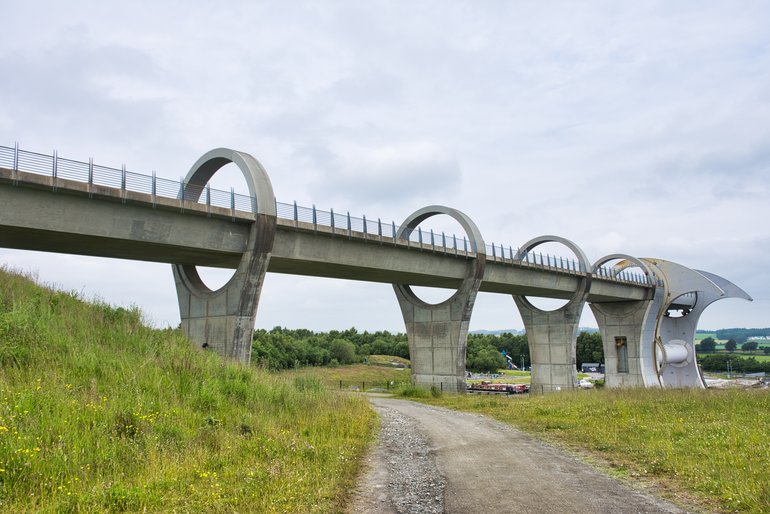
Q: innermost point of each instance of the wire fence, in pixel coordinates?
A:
(56, 167)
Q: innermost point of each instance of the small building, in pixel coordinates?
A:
(592, 367)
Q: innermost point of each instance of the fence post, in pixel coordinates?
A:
(315, 219)
(432, 241)
(154, 189)
(232, 202)
(379, 229)
(443, 241)
(394, 232)
(208, 199)
(332, 215)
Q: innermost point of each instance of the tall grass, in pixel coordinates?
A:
(100, 413)
(713, 443)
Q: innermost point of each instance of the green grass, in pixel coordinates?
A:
(99, 413)
(355, 375)
(714, 444)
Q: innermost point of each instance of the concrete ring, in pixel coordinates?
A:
(631, 262)
(583, 262)
(260, 188)
(475, 274)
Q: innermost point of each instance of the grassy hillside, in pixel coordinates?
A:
(100, 413)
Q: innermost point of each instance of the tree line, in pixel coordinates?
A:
(741, 335)
(283, 348)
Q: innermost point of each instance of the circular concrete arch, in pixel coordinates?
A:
(583, 262)
(475, 274)
(631, 262)
(260, 188)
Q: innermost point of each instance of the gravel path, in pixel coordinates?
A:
(431, 460)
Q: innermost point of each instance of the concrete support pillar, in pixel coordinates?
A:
(438, 333)
(628, 331)
(552, 335)
(223, 320)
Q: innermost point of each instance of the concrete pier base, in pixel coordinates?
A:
(223, 320)
(552, 335)
(629, 330)
(438, 333)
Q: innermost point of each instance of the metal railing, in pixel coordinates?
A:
(335, 222)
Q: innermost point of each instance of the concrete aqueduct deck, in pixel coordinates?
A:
(644, 345)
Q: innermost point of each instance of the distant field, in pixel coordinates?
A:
(358, 375)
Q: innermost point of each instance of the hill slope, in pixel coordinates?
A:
(100, 413)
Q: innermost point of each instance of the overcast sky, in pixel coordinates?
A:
(627, 127)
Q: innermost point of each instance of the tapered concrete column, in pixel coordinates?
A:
(552, 335)
(628, 330)
(438, 333)
(223, 320)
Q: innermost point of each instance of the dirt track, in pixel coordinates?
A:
(468, 463)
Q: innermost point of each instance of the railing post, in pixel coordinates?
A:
(16, 163)
(379, 229)
(154, 189)
(332, 216)
(419, 237)
(432, 241)
(443, 241)
(393, 223)
(510, 250)
(365, 232)
(315, 219)
(181, 196)
(350, 227)
(296, 215)
(208, 199)
(123, 183)
(493, 252)
(232, 202)
(55, 170)
(465, 246)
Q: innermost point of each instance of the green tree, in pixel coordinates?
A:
(486, 360)
(731, 345)
(749, 346)
(342, 350)
(707, 344)
(589, 348)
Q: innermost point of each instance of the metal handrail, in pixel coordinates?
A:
(59, 168)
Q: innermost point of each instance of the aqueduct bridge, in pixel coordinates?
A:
(647, 309)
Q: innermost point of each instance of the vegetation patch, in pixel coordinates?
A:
(99, 413)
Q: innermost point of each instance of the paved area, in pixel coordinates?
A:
(434, 460)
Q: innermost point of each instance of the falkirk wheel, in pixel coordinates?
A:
(647, 342)
(651, 343)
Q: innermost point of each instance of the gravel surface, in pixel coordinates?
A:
(431, 459)
(401, 474)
